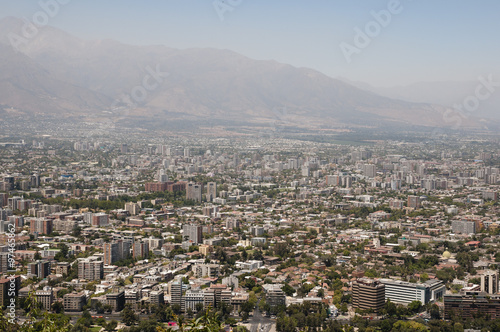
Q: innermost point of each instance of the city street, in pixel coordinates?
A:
(260, 323)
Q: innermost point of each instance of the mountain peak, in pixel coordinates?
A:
(197, 83)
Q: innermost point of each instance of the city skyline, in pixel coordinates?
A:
(249, 165)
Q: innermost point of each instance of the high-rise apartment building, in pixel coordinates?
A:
(132, 208)
(115, 251)
(17, 221)
(9, 181)
(176, 297)
(116, 300)
(9, 288)
(489, 282)
(62, 268)
(211, 191)
(90, 269)
(4, 199)
(41, 226)
(206, 270)
(74, 302)
(275, 297)
(4, 262)
(414, 202)
(368, 294)
(45, 297)
(192, 298)
(5, 213)
(40, 269)
(194, 191)
(141, 249)
(463, 227)
(370, 170)
(12, 202)
(216, 294)
(156, 297)
(428, 184)
(100, 219)
(193, 233)
(396, 204)
(156, 186)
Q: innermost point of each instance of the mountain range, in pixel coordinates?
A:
(447, 93)
(58, 74)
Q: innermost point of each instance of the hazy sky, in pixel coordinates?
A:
(425, 40)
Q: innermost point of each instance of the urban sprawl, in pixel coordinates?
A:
(275, 234)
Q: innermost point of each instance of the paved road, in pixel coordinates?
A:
(260, 323)
(107, 316)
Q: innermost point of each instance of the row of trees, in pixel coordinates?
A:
(303, 317)
(176, 198)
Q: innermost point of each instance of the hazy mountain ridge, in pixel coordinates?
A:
(439, 93)
(70, 75)
(27, 86)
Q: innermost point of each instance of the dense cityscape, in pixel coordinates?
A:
(264, 233)
(249, 166)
